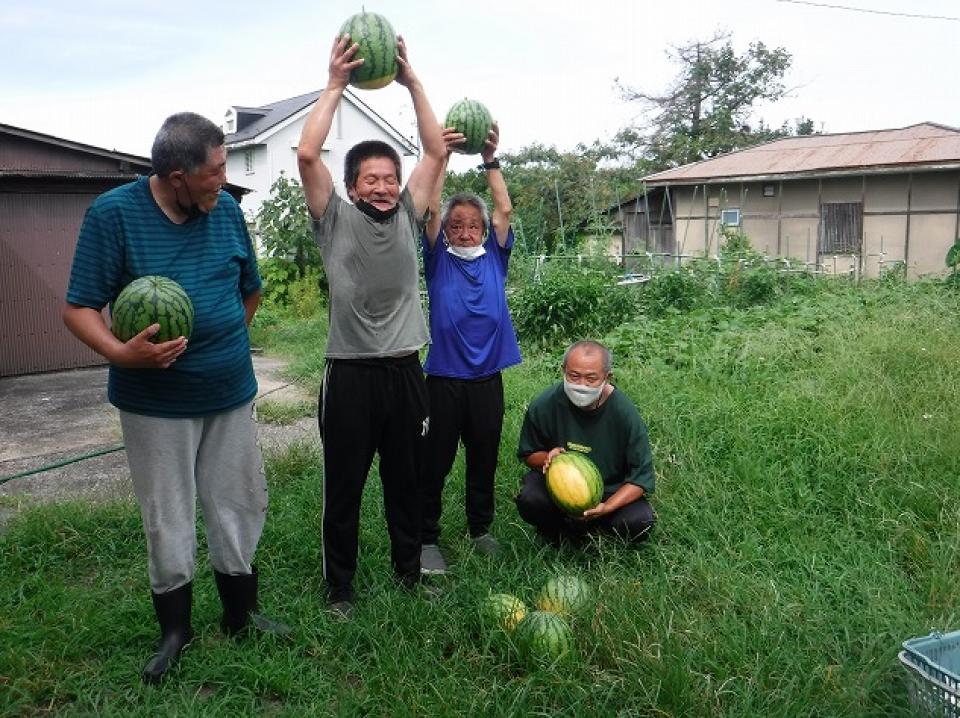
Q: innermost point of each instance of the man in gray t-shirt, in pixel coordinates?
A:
(374, 397)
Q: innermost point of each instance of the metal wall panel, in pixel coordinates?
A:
(38, 233)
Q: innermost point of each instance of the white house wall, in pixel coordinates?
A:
(278, 153)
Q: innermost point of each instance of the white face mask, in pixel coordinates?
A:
(580, 395)
(467, 253)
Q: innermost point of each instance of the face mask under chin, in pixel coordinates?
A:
(467, 253)
(377, 215)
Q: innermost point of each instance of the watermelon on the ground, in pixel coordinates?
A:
(474, 120)
(566, 595)
(378, 49)
(574, 482)
(152, 299)
(543, 638)
(503, 610)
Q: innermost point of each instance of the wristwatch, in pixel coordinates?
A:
(493, 164)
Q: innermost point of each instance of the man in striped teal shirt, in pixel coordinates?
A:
(186, 409)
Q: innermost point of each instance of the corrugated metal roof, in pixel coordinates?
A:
(923, 145)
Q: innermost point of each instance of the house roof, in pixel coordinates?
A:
(926, 145)
(127, 166)
(261, 122)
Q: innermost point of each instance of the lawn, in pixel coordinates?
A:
(809, 521)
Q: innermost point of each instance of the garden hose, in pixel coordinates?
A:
(93, 454)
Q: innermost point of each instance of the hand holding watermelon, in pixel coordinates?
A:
(489, 150)
(405, 74)
(139, 352)
(343, 61)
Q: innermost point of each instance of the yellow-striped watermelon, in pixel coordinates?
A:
(567, 595)
(378, 49)
(503, 610)
(574, 482)
(474, 120)
(543, 638)
(148, 300)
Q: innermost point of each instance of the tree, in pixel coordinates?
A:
(285, 226)
(557, 196)
(708, 108)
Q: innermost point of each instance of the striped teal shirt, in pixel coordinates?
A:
(125, 235)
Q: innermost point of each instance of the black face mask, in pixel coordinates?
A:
(193, 209)
(377, 215)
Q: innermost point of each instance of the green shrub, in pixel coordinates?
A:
(569, 303)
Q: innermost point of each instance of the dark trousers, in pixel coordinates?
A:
(631, 522)
(470, 411)
(368, 406)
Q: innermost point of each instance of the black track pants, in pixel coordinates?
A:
(368, 406)
(471, 411)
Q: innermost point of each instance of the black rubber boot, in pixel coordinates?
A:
(173, 612)
(238, 594)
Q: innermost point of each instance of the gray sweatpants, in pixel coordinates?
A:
(172, 462)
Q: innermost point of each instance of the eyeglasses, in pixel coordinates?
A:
(590, 379)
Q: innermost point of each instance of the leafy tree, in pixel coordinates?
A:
(285, 227)
(557, 196)
(707, 110)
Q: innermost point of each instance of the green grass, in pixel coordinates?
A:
(809, 521)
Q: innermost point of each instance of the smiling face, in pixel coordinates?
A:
(377, 183)
(464, 227)
(202, 187)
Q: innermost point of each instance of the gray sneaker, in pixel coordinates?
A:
(431, 560)
(486, 545)
(341, 611)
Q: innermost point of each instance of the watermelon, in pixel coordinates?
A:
(149, 300)
(543, 638)
(378, 48)
(574, 482)
(566, 595)
(474, 120)
(503, 610)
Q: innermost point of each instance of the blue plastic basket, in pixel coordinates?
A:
(933, 663)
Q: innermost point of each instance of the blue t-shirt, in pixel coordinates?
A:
(471, 332)
(125, 235)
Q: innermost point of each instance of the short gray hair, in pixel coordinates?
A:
(590, 347)
(474, 200)
(183, 143)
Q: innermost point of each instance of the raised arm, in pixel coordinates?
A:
(423, 179)
(451, 139)
(315, 175)
(502, 206)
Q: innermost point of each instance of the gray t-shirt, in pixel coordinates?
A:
(372, 271)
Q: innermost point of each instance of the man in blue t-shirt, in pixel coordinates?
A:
(466, 250)
(186, 409)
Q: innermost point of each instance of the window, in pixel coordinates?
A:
(248, 161)
(769, 190)
(730, 217)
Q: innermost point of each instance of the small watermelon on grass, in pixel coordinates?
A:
(574, 482)
(378, 50)
(503, 610)
(152, 299)
(544, 638)
(568, 596)
(472, 119)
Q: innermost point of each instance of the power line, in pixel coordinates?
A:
(872, 12)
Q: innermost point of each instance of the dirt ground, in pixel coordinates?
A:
(60, 425)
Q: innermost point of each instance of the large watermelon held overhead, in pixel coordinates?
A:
(152, 299)
(574, 482)
(378, 49)
(474, 120)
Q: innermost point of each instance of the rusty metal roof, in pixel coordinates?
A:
(925, 145)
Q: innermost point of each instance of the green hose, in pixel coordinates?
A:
(64, 462)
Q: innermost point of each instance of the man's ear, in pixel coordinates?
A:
(176, 178)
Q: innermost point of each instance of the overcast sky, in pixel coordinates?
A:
(107, 72)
